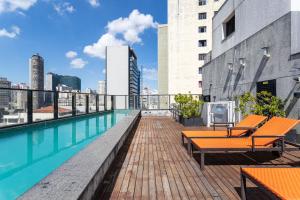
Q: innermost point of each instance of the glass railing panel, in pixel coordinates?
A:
(64, 104)
(101, 102)
(13, 107)
(42, 105)
(163, 102)
(92, 103)
(80, 104)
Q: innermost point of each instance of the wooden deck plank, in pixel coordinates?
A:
(157, 166)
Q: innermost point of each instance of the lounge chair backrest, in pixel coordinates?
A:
(252, 121)
(278, 126)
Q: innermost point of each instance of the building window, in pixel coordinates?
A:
(200, 70)
(201, 16)
(202, 29)
(201, 56)
(202, 43)
(202, 2)
(200, 84)
(229, 26)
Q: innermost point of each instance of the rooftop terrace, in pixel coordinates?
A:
(154, 165)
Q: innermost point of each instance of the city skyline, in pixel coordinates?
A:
(72, 47)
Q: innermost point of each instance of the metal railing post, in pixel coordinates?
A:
(105, 102)
(169, 102)
(112, 102)
(73, 104)
(55, 106)
(97, 102)
(87, 104)
(29, 107)
(158, 102)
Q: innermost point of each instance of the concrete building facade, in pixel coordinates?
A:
(162, 56)
(122, 76)
(5, 95)
(36, 79)
(260, 53)
(189, 40)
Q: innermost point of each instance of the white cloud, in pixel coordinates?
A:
(63, 8)
(98, 49)
(120, 32)
(71, 54)
(94, 3)
(104, 71)
(13, 5)
(15, 31)
(150, 74)
(78, 63)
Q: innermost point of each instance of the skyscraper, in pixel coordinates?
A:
(53, 80)
(36, 79)
(189, 41)
(4, 94)
(101, 87)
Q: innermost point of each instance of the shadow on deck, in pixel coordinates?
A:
(154, 165)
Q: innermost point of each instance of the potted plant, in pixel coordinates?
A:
(263, 104)
(189, 109)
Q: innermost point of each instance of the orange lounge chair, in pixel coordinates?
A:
(269, 137)
(249, 124)
(280, 183)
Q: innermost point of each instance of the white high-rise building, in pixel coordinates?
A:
(122, 76)
(189, 41)
(101, 87)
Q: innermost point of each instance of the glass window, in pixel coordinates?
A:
(200, 70)
(202, 29)
(201, 56)
(200, 84)
(202, 2)
(202, 43)
(229, 26)
(201, 16)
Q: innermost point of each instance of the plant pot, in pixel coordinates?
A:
(194, 121)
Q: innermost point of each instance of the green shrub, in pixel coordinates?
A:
(263, 104)
(188, 106)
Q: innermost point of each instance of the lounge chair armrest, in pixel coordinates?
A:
(242, 128)
(230, 129)
(281, 137)
(268, 136)
(222, 124)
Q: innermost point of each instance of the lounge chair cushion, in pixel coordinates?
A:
(283, 182)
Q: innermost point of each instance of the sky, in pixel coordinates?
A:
(71, 36)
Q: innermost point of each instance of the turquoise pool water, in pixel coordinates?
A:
(30, 154)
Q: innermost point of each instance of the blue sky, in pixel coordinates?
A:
(53, 28)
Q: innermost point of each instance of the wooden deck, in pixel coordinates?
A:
(154, 165)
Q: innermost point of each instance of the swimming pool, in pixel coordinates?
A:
(30, 154)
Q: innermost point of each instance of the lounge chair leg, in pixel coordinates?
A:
(182, 139)
(189, 146)
(202, 155)
(243, 187)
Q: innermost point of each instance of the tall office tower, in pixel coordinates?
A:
(122, 75)
(4, 94)
(189, 41)
(163, 59)
(53, 80)
(101, 87)
(36, 80)
(19, 97)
